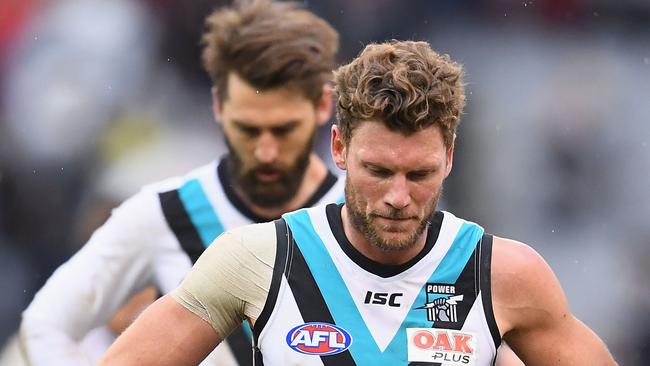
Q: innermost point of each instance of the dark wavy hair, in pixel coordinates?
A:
(403, 84)
(269, 45)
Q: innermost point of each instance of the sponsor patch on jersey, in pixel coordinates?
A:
(318, 339)
(443, 346)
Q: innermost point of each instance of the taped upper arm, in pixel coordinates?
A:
(230, 281)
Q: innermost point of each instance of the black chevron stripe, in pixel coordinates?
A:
(179, 221)
(310, 301)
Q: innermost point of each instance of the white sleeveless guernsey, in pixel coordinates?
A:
(330, 305)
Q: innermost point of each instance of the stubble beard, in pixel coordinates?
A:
(364, 222)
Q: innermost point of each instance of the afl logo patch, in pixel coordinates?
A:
(318, 339)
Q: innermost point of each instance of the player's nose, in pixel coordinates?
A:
(266, 148)
(398, 194)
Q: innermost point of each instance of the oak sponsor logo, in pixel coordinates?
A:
(318, 339)
(444, 346)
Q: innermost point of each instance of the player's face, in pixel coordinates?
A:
(393, 181)
(270, 136)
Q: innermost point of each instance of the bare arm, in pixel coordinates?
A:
(534, 314)
(166, 333)
(131, 309)
(507, 357)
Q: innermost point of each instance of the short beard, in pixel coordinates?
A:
(364, 224)
(268, 195)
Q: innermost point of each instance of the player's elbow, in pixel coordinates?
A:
(29, 334)
(30, 327)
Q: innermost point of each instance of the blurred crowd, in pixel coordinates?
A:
(99, 97)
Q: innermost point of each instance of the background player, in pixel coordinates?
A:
(270, 64)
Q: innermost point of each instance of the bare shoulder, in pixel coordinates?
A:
(516, 266)
(511, 257)
(524, 287)
(533, 314)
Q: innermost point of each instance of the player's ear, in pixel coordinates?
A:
(338, 148)
(216, 104)
(450, 155)
(325, 106)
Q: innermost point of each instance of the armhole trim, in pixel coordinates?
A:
(486, 288)
(279, 265)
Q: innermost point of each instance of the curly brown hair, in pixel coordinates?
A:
(269, 44)
(403, 84)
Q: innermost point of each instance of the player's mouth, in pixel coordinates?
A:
(266, 175)
(395, 218)
(394, 224)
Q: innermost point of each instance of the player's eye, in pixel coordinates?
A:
(379, 172)
(284, 130)
(249, 131)
(418, 175)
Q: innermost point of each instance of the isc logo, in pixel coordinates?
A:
(382, 298)
(318, 339)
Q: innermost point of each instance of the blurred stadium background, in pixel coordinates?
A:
(99, 97)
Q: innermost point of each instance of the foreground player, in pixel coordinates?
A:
(383, 279)
(270, 64)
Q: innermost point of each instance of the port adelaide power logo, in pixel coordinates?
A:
(441, 302)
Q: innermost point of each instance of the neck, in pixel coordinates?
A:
(372, 252)
(315, 174)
